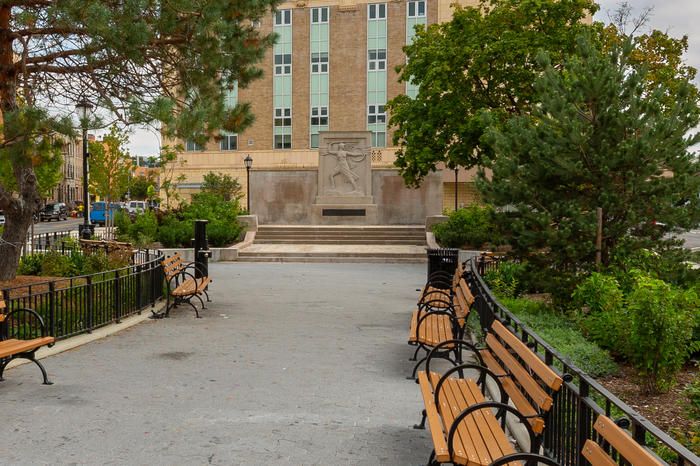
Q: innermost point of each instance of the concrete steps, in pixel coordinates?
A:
(313, 243)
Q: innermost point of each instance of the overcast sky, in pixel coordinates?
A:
(676, 17)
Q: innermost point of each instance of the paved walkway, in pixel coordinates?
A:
(293, 364)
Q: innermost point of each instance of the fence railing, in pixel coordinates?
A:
(76, 305)
(52, 241)
(581, 399)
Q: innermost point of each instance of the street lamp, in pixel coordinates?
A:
(248, 161)
(83, 108)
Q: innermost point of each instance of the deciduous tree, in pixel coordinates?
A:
(483, 61)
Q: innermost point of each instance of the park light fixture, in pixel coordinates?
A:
(83, 107)
(248, 162)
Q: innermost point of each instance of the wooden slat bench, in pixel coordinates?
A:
(441, 315)
(183, 284)
(463, 425)
(611, 438)
(615, 437)
(22, 332)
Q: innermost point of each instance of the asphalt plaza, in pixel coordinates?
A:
(293, 364)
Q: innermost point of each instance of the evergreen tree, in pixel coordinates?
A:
(599, 137)
(143, 60)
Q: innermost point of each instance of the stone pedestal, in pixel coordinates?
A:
(344, 180)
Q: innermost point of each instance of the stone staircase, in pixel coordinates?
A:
(321, 243)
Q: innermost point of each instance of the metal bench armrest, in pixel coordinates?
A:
(34, 316)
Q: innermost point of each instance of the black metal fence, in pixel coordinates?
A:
(81, 304)
(581, 400)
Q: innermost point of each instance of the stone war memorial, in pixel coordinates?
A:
(344, 189)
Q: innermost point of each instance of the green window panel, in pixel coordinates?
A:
(376, 72)
(319, 67)
(415, 15)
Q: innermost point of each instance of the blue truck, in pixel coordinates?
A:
(99, 214)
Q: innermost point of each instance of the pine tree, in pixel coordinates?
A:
(142, 60)
(599, 137)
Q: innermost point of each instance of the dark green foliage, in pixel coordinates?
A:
(661, 330)
(604, 318)
(141, 232)
(30, 264)
(470, 228)
(651, 324)
(597, 139)
(222, 185)
(98, 262)
(563, 335)
(478, 68)
(55, 264)
(138, 186)
(177, 229)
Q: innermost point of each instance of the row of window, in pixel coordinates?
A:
(283, 118)
(376, 61)
(376, 11)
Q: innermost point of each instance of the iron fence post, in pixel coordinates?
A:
(52, 308)
(89, 304)
(117, 296)
(583, 423)
(138, 287)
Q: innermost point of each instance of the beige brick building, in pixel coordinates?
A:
(333, 69)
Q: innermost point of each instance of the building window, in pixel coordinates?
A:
(283, 17)
(283, 64)
(229, 142)
(416, 9)
(377, 11)
(283, 141)
(377, 59)
(378, 139)
(283, 117)
(191, 146)
(319, 62)
(319, 116)
(376, 114)
(319, 15)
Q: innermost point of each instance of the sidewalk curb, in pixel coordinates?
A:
(85, 338)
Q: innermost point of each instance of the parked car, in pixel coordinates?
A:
(56, 211)
(99, 214)
(136, 207)
(2, 217)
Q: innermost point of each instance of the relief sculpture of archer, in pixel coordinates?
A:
(346, 160)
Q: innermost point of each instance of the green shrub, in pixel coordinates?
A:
(173, 232)
(660, 330)
(471, 226)
(56, 264)
(562, 334)
(122, 223)
(505, 280)
(30, 264)
(603, 315)
(96, 263)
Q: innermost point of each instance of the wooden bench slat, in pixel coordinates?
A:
(542, 370)
(524, 379)
(623, 443)
(13, 346)
(596, 455)
(437, 430)
(521, 403)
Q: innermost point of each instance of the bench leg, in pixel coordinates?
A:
(422, 422)
(207, 295)
(200, 300)
(415, 354)
(3, 364)
(43, 371)
(415, 368)
(196, 311)
(431, 460)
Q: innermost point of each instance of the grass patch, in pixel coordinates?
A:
(563, 335)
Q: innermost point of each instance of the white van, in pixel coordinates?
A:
(136, 207)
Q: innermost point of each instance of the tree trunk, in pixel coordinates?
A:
(13, 238)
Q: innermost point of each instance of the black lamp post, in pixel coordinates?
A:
(248, 161)
(456, 186)
(83, 108)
